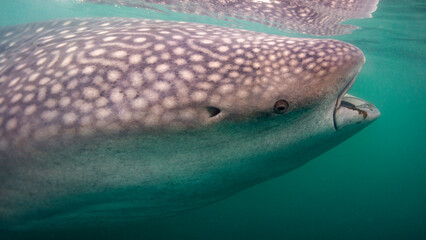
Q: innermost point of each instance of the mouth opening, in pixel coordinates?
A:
(341, 95)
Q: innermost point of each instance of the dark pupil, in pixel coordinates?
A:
(280, 106)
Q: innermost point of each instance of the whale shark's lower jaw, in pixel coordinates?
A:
(352, 111)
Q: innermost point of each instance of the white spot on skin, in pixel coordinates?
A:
(101, 102)
(321, 73)
(166, 56)
(239, 61)
(11, 124)
(125, 115)
(67, 60)
(20, 66)
(162, 86)
(41, 61)
(293, 62)
(151, 95)
(91, 93)
(14, 81)
(298, 70)
(301, 55)
(49, 115)
(177, 37)
(179, 51)
(33, 77)
(149, 74)
(234, 74)
(206, 41)
(136, 79)
(227, 88)
(97, 52)
(186, 74)
(139, 103)
(214, 64)
(162, 68)
(56, 88)
(199, 96)
(30, 109)
(116, 95)
(139, 40)
(64, 101)
(152, 59)
(205, 85)
(242, 93)
(196, 58)
(135, 59)
(29, 97)
(310, 66)
(119, 54)
(16, 98)
(69, 118)
(71, 49)
(108, 39)
(159, 47)
(44, 81)
(73, 72)
(89, 70)
(86, 107)
(180, 61)
(113, 75)
(214, 77)
(199, 68)
(102, 113)
(223, 49)
(169, 102)
(188, 114)
(131, 93)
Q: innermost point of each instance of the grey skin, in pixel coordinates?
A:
(316, 17)
(111, 120)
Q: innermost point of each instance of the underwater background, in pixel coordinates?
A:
(372, 186)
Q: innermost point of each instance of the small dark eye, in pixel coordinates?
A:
(281, 106)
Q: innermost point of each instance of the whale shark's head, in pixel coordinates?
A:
(91, 105)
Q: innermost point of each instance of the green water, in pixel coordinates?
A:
(373, 186)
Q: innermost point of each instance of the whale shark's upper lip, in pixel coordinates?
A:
(340, 97)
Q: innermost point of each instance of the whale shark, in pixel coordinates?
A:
(114, 120)
(315, 17)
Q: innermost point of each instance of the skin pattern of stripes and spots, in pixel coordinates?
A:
(128, 119)
(316, 17)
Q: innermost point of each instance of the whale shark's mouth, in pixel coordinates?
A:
(351, 110)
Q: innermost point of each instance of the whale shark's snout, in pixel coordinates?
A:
(350, 110)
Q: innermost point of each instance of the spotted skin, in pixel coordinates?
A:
(316, 17)
(80, 76)
(128, 119)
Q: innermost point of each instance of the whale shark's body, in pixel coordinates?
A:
(317, 17)
(112, 120)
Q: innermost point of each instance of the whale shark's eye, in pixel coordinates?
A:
(281, 106)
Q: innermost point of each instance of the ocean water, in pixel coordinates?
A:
(372, 186)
